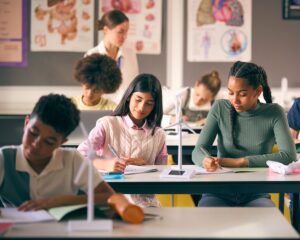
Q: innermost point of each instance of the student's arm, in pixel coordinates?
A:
(101, 193)
(162, 157)
(294, 120)
(96, 138)
(207, 135)
(286, 147)
(102, 190)
(295, 135)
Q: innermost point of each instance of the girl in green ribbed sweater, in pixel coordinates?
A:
(247, 131)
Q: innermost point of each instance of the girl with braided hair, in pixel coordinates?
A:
(247, 130)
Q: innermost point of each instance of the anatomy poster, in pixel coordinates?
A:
(66, 26)
(145, 20)
(13, 33)
(219, 30)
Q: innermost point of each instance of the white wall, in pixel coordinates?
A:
(21, 99)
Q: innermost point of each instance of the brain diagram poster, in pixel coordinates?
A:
(219, 30)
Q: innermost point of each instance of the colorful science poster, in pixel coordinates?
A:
(219, 30)
(67, 26)
(13, 33)
(145, 17)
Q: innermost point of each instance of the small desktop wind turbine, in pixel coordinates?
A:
(90, 224)
(180, 172)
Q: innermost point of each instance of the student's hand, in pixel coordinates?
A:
(211, 164)
(185, 118)
(173, 119)
(135, 161)
(119, 165)
(201, 122)
(33, 205)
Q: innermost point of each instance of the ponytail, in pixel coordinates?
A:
(255, 76)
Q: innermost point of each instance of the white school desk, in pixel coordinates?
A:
(259, 180)
(179, 223)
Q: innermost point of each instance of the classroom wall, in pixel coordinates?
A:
(275, 47)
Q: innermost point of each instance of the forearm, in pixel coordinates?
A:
(234, 162)
(104, 164)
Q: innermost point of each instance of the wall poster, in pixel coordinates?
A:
(67, 26)
(219, 30)
(145, 17)
(13, 33)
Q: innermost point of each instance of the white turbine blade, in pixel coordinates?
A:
(90, 155)
(80, 171)
(188, 127)
(180, 92)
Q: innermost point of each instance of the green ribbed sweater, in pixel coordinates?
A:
(257, 131)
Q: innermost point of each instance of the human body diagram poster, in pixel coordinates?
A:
(66, 26)
(145, 17)
(219, 30)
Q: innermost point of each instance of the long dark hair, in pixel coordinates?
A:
(143, 83)
(255, 76)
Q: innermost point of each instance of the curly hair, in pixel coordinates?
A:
(100, 71)
(57, 111)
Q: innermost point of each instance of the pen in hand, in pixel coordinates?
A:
(207, 154)
(114, 152)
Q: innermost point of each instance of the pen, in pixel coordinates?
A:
(207, 154)
(114, 152)
(204, 151)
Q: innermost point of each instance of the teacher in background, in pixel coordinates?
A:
(115, 25)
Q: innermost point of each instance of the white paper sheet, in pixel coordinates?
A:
(12, 215)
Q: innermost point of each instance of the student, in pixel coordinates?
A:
(294, 120)
(98, 75)
(196, 101)
(247, 131)
(294, 123)
(115, 25)
(39, 174)
(133, 130)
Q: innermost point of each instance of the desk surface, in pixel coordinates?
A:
(201, 223)
(249, 180)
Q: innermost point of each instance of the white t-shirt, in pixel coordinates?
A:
(58, 177)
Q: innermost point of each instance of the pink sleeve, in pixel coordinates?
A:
(162, 157)
(97, 139)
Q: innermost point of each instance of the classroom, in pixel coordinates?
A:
(165, 110)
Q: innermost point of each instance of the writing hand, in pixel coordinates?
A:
(211, 164)
(119, 165)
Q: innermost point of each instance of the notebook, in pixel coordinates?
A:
(89, 119)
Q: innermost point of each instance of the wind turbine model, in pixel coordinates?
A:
(180, 172)
(90, 224)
